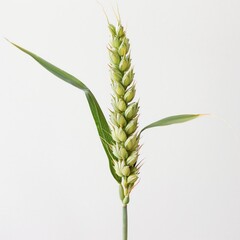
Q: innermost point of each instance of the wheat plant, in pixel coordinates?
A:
(120, 136)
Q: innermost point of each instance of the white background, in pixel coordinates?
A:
(54, 177)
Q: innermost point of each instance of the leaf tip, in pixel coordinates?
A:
(203, 114)
(15, 45)
(8, 41)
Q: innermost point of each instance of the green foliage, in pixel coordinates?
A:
(172, 120)
(99, 118)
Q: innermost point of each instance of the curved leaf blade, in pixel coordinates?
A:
(55, 70)
(172, 120)
(98, 116)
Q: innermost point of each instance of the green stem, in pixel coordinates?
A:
(125, 223)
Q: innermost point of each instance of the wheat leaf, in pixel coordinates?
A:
(172, 120)
(99, 118)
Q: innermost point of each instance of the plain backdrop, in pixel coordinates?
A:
(54, 178)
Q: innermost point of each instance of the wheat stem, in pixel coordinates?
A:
(125, 223)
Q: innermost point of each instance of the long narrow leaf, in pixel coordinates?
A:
(172, 120)
(99, 118)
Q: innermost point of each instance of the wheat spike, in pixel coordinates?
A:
(124, 116)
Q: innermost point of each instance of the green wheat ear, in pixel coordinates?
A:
(120, 140)
(124, 116)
